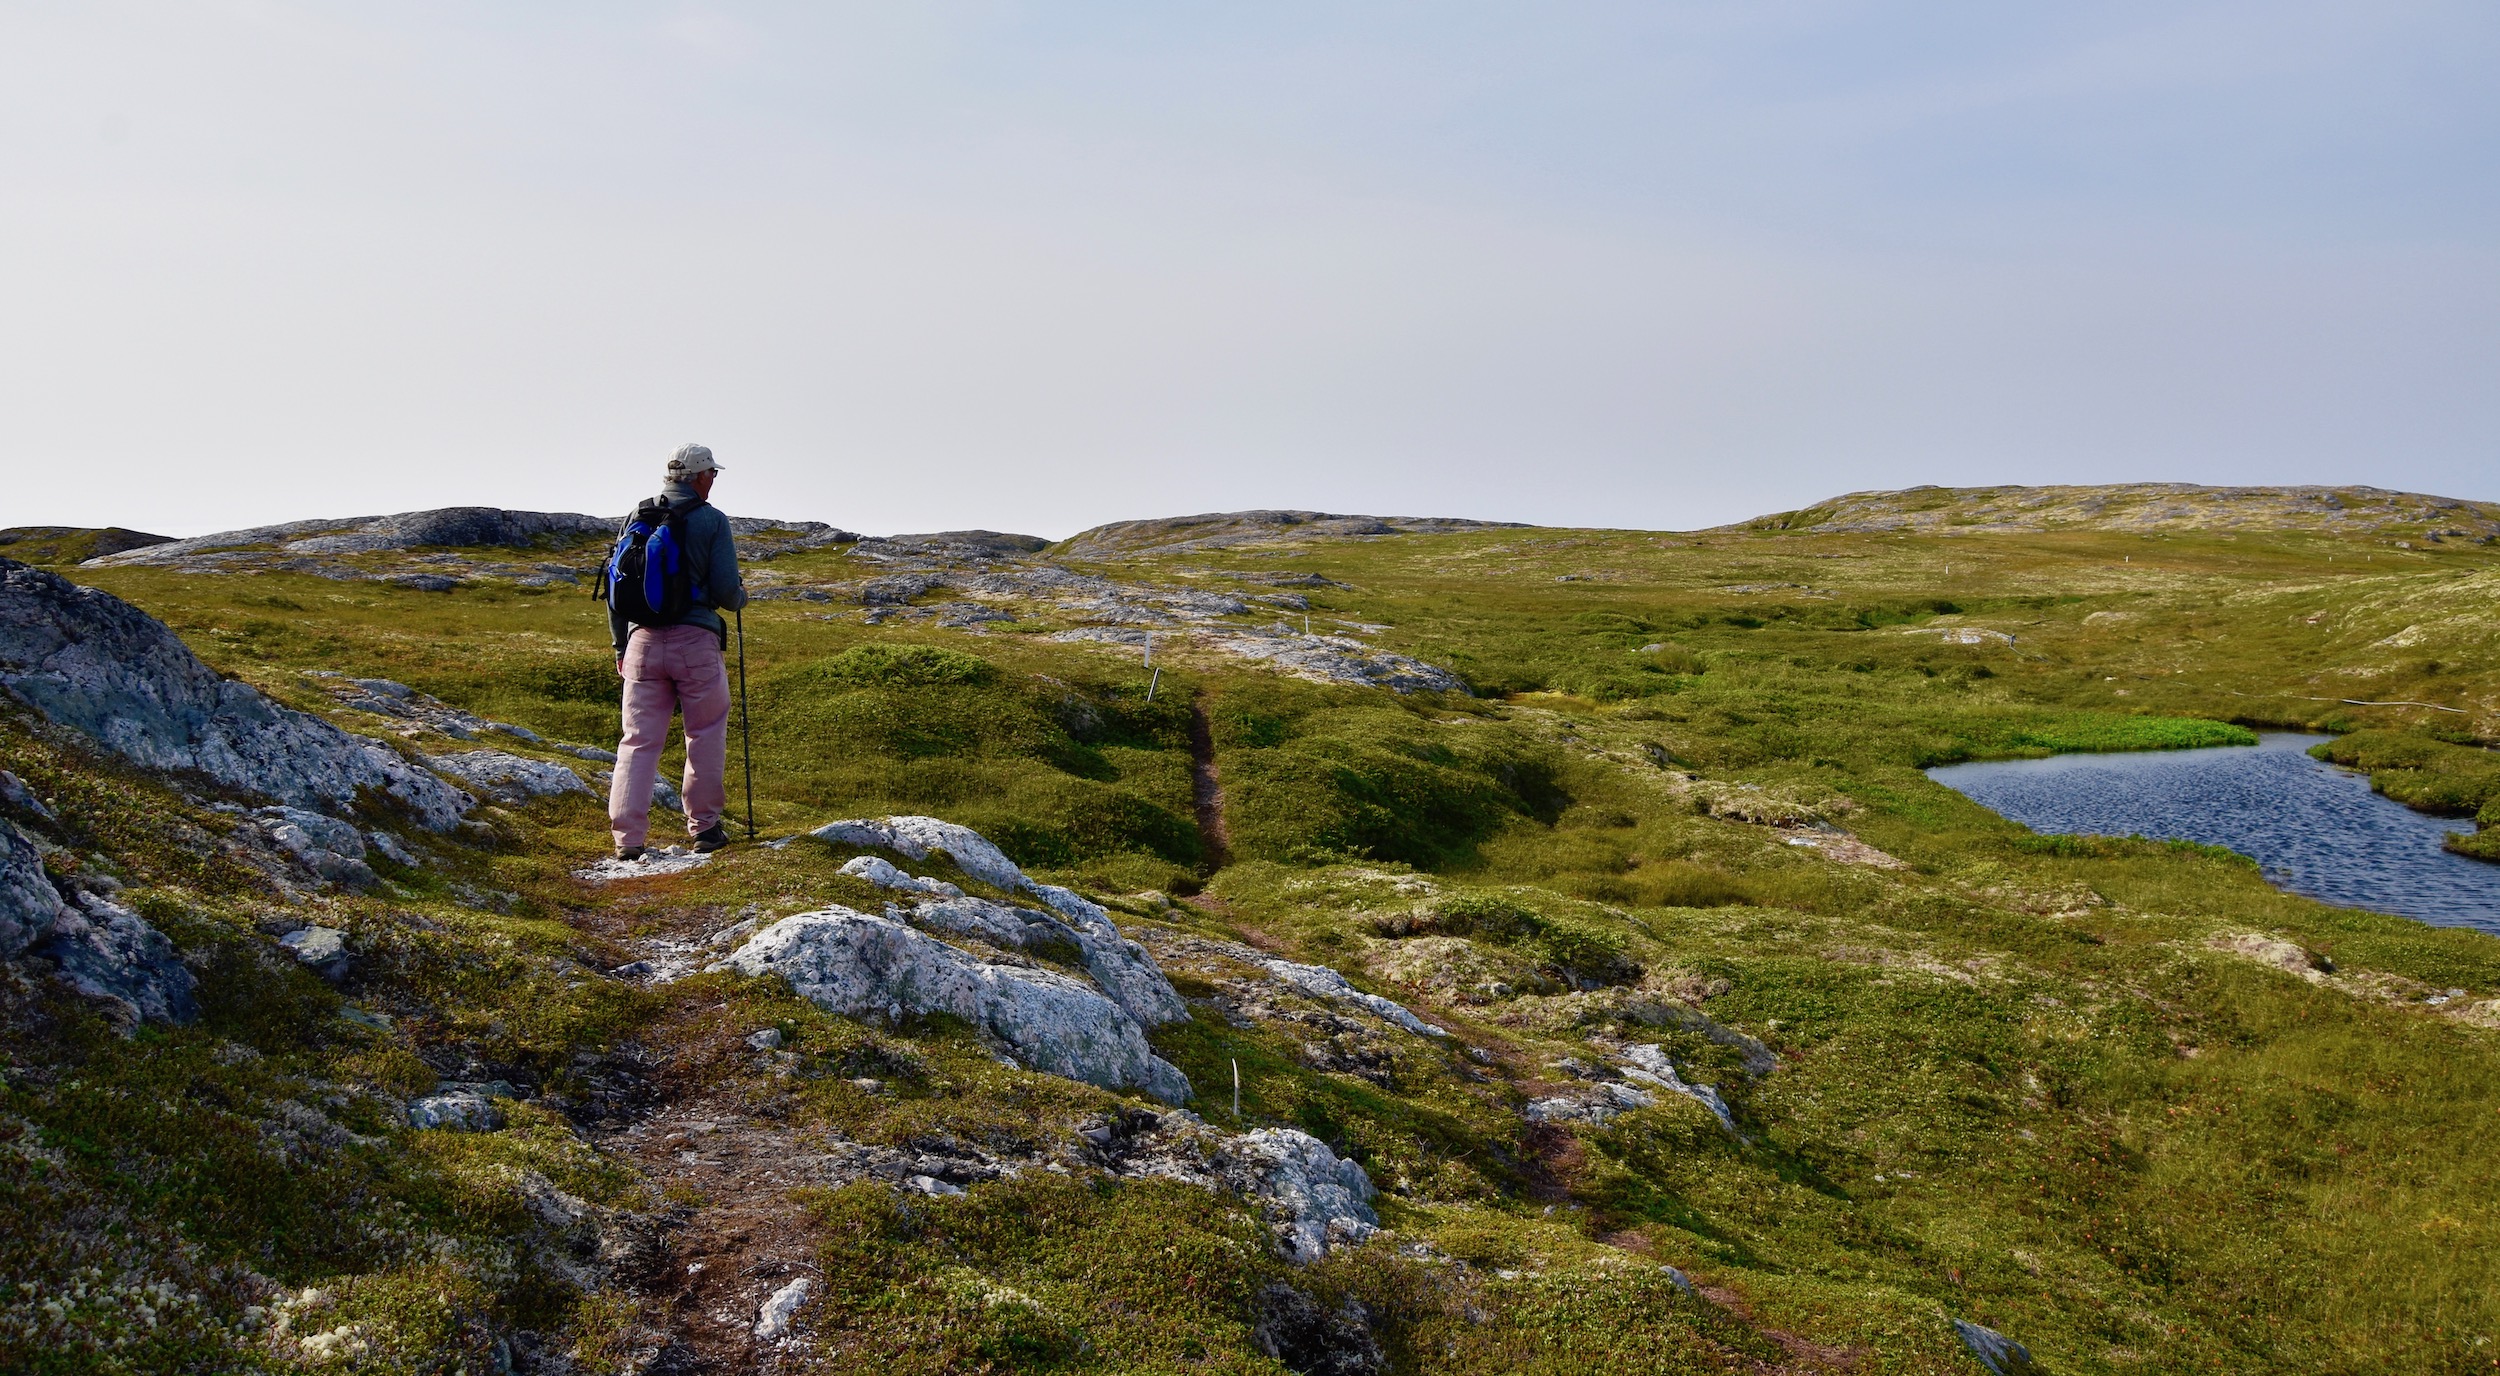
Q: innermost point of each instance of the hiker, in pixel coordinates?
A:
(673, 571)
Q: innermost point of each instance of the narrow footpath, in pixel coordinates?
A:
(1207, 790)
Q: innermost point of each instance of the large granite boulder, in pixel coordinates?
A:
(87, 659)
(852, 964)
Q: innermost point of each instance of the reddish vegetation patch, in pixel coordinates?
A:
(1550, 1159)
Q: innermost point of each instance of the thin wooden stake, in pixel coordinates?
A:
(1236, 1091)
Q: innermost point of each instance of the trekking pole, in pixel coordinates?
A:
(746, 737)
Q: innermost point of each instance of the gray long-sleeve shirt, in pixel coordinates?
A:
(712, 554)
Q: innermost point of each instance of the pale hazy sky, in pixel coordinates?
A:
(909, 266)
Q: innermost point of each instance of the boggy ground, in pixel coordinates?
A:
(2116, 1099)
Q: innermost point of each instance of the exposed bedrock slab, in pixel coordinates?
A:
(853, 964)
(509, 778)
(883, 874)
(90, 661)
(1320, 982)
(1119, 965)
(916, 837)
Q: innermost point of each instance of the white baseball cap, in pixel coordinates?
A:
(690, 460)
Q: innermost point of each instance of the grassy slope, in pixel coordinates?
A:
(2019, 1082)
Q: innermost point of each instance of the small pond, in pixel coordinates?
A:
(2315, 829)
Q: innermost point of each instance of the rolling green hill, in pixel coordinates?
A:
(1752, 1050)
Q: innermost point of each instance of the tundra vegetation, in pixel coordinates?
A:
(2116, 1099)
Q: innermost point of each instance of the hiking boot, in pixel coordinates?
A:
(629, 854)
(710, 839)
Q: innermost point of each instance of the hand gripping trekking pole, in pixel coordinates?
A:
(746, 738)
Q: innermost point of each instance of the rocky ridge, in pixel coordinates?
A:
(968, 588)
(2180, 507)
(1232, 529)
(90, 661)
(427, 550)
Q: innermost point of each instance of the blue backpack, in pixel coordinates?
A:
(648, 576)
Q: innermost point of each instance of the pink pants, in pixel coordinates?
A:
(671, 670)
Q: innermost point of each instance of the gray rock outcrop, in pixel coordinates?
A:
(386, 698)
(1320, 982)
(916, 838)
(1311, 1197)
(102, 950)
(327, 846)
(305, 543)
(110, 954)
(773, 1319)
(852, 964)
(322, 950)
(460, 1107)
(1595, 1107)
(1648, 1064)
(1314, 1199)
(2000, 1354)
(1002, 925)
(509, 778)
(458, 526)
(88, 660)
(1225, 529)
(884, 875)
(29, 906)
(1119, 965)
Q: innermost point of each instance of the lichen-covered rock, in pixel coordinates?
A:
(884, 875)
(390, 848)
(323, 950)
(460, 1107)
(29, 905)
(1648, 1064)
(14, 793)
(110, 954)
(916, 837)
(1003, 925)
(333, 849)
(1599, 1104)
(1320, 982)
(1119, 965)
(509, 778)
(853, 964)
(90, 661)
(1313, 1198)
(2000, 1354)
(657, 861)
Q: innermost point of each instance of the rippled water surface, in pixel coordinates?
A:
(2316, 829)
